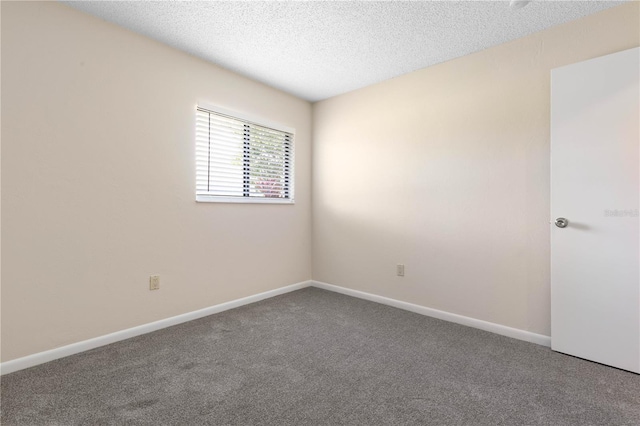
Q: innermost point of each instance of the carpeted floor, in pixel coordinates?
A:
(312, 357)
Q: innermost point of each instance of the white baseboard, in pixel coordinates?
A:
(74, 348)
(447, 316)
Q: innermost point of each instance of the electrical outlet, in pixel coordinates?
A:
(400, 270)
(154, 282)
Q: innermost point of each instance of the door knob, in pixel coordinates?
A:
(561, 222)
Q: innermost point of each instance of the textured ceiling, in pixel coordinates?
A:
(319, 49)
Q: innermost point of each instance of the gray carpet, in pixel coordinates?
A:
(318, 358)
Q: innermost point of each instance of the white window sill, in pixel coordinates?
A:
(242, 200)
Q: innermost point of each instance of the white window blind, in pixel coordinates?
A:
(238, 160)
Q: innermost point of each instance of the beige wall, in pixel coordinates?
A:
(98, 184)
(447, 171)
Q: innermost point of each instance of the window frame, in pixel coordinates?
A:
(259, 121)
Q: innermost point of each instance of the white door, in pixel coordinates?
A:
(595, 185)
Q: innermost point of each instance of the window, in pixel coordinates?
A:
(242, 160)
